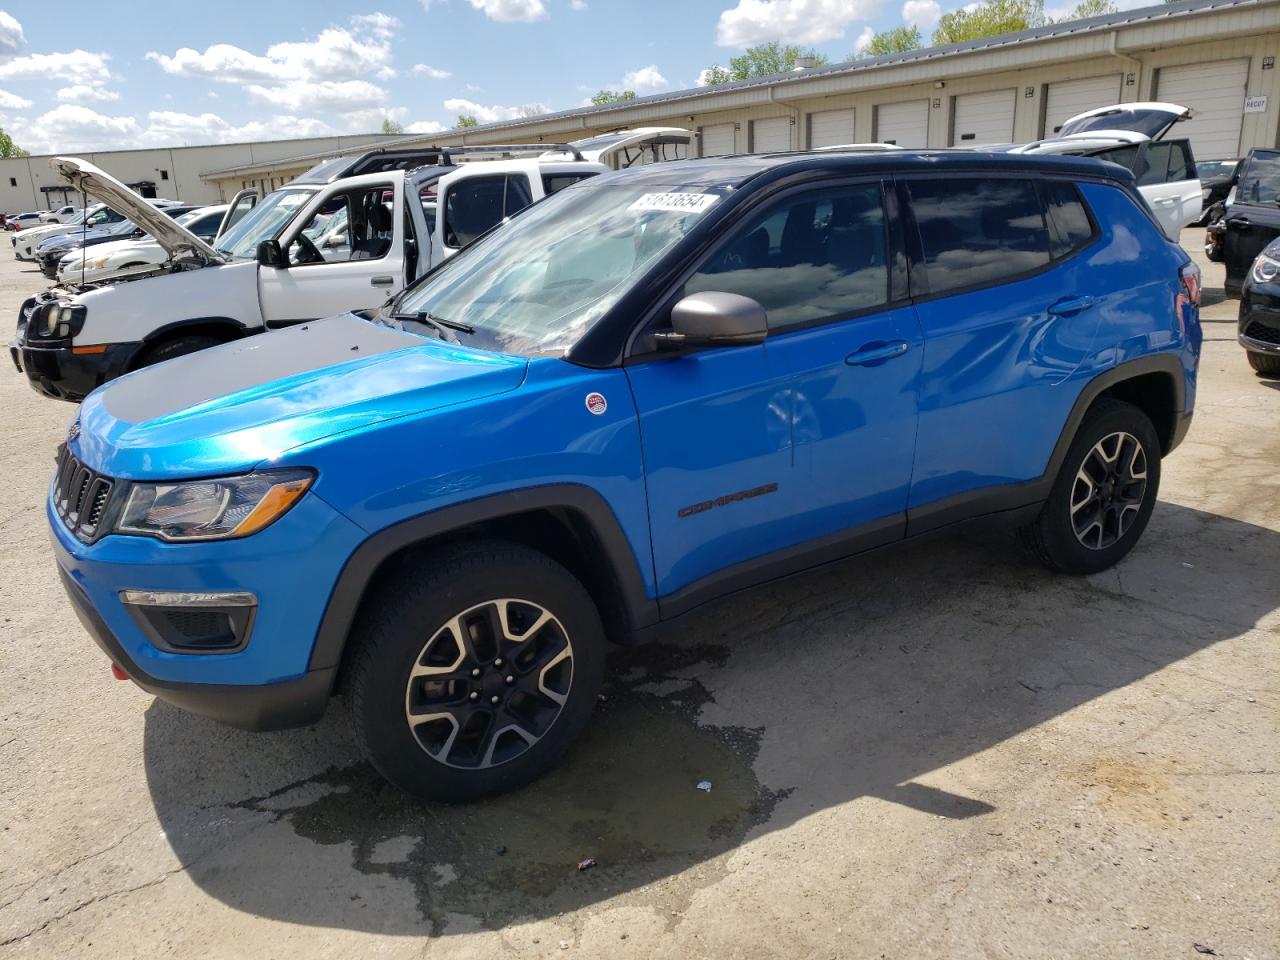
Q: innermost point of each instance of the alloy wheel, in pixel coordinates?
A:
(1107, 495)
(489, 684)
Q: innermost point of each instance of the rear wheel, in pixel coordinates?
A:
(177, 347)
(1265, 363)
(474, 670)
(1104, 493)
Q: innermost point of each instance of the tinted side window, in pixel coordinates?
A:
(1127, 157)
(816, 255)
(1166, 162)
(978, 231)
(1260, 177)
(518, 194)
(473, 207)
(1066, 217)
(554, 182)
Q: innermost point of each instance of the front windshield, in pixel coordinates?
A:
(121, 229)
(1147, 122)
(263, 222)
(1260, 179)
(538, 284)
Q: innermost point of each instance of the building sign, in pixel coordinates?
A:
(1255, 104)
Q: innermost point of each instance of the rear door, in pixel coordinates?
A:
(983, 118)
(1006, 311)
(1253, 218)
(1167, 178)
(903, 124)
(345, 252)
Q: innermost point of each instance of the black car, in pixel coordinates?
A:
(1253, 218)
(1217, 177)
(48, 256)
(1259, 331)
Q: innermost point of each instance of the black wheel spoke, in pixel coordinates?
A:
(489, 684)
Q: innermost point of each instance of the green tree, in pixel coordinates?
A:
(10, 149)
(389, 126)
(990, 18)
(902, 39)
(466, 120)
(764, 60)
(612, 96)
(1092, 8)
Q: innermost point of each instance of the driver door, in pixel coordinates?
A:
(345, 253)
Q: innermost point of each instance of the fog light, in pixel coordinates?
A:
(193, 622)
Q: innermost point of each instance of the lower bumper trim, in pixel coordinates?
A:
(268, 706)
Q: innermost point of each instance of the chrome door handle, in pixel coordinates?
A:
(875, 352)
(383, 281)
(1071, 305)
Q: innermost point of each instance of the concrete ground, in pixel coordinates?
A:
(939, 752)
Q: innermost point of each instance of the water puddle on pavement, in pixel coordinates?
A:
(627, 795)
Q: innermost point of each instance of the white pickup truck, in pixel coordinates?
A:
(344, 236)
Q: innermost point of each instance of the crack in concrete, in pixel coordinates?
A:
(67, 866)
(92, 900)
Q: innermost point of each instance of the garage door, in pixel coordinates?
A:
(1215, 92)
(1064, 100)
(906, 124)
(717, 140)
(830, 127)
(983, 118)
(771, 136)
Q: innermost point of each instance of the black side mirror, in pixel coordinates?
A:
(270, 254)
(714, 319)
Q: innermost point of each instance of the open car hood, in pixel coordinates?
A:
(176, 241)
(602, 148)
(1151, 119)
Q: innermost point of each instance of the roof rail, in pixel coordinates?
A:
(447, 152)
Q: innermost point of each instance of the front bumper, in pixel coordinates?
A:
(58, 373)
(1258, 329)
(291, 567)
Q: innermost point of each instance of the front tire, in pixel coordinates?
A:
(473, 670)
(1104, 493)
(1264, 363)
(177, 347)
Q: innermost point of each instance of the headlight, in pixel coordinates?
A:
(212, 509)
(1265, 269)
(62, 321)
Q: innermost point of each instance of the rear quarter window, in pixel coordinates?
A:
(1066, 217)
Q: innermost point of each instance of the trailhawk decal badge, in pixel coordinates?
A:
(696, 508)
(596, 403)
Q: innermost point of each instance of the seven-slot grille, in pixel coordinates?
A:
(80, 495)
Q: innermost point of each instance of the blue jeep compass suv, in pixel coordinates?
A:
(654, 388)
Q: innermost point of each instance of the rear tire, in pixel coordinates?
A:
(1265, 364)
(473, 669)
(177, 347)
(1104, 493)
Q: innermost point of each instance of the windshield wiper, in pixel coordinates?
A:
(441, 326)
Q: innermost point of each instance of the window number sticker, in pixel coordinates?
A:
(675, 202)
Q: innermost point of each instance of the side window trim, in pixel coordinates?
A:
(663, 301)
(918, 270)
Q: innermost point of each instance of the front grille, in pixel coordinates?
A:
(80, 495)
(1257, 330)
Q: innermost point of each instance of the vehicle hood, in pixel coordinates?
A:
(177, 241)
(1150, 118)
(230, 408)
(74, 241)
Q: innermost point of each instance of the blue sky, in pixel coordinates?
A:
(80, 75)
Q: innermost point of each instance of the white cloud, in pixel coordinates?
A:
(75, 66)
(578, 4)
(171, 128)
(921, 13)
(425, 126)
(507, 11)
(863, 40)
(435, 73)
(11, 101)
(73, 127)
(11, 37)
(82, 92)
(645, 79)
(335, 54)
(790, 21)
(336, 96)
(495, 113)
